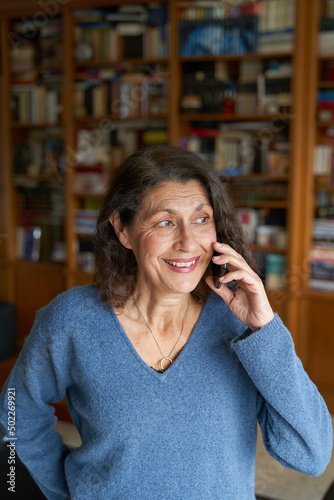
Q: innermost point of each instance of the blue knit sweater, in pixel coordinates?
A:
(186, 434)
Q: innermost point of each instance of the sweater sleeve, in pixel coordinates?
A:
(34, 382)
(295, 423)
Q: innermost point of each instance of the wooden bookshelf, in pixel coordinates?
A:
(304, 310)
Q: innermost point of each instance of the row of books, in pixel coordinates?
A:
(127, 95)
(322, 267)
(264, 27)
(240, 148)
(324, 161)
(109, 148)
(263, 228)
(85, 221)
(91, 181)
(150, 14)
(40, 154)
(33, 45)
(329, 8)
(273, 270)
(325, 105)
(274, 14)
(102, 42)
(40, 231)
(39, 200)
(260, 88)
(323, 231)
(41, 243)
(249, 192)
(218, 37)
(36, 104)
(326, 36)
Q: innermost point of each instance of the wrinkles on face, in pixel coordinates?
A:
(175, 222)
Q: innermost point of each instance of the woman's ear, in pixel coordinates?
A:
(120, 230)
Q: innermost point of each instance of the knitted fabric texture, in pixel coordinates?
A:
(189, 433)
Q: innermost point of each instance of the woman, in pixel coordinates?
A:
(164, 373)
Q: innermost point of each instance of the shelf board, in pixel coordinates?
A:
(329, 189)
(82, 120)
(269, 249)
(36, 178)
(17, 125)
(28, 264)
(325, 124)
(261, 204)
(231, 118)
(326, 57)
(36, 69)
(320, 294)
(235, 57)
(122, 62)
(326, 84)
(255, 178)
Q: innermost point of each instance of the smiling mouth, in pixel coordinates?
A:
(180, 264)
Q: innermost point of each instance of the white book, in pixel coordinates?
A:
(272, 15)
(52, 107)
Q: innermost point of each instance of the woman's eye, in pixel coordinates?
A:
(202, 220)
(164, 223)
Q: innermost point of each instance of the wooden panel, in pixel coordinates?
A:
(79, 278)
(36, 285)
(278, 301)
(7, 293)
(320, 335)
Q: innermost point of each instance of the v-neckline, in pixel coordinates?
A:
(161, 376)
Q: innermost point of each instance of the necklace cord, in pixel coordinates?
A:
(156, 341)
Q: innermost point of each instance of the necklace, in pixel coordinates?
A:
(168, 357)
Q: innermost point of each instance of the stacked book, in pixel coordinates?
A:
(324, 161)
(326, 36)
(121, 95)
(240, 148)
(36, 104)
(325, 104)
(115, 34)
(276, 27)
(40, 154)
(211, 28)
(85, 221)
(322, 255)
(322, 266)
(40, 233)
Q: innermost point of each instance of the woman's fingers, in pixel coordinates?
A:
(225, 293)
(233, 263)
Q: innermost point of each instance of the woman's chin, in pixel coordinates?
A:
(186, 285)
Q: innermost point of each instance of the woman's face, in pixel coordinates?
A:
(172, 237)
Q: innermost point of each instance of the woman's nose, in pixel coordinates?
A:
(185, 240)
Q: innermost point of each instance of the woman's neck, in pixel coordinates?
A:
(161, 313)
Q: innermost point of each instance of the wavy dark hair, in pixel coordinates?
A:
(116, 266)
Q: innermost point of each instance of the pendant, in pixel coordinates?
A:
(162, 368)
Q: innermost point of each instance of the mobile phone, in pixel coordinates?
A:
(220, 270)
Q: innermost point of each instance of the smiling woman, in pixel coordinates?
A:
(165, 372)
(141, 192)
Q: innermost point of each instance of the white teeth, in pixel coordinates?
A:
(180, 264)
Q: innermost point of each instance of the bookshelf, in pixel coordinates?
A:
(236, 88)
(119, 75)
(317, 297)
(120, 81)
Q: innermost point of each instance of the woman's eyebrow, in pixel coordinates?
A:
(171, 211)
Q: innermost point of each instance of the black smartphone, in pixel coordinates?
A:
(220, 270)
